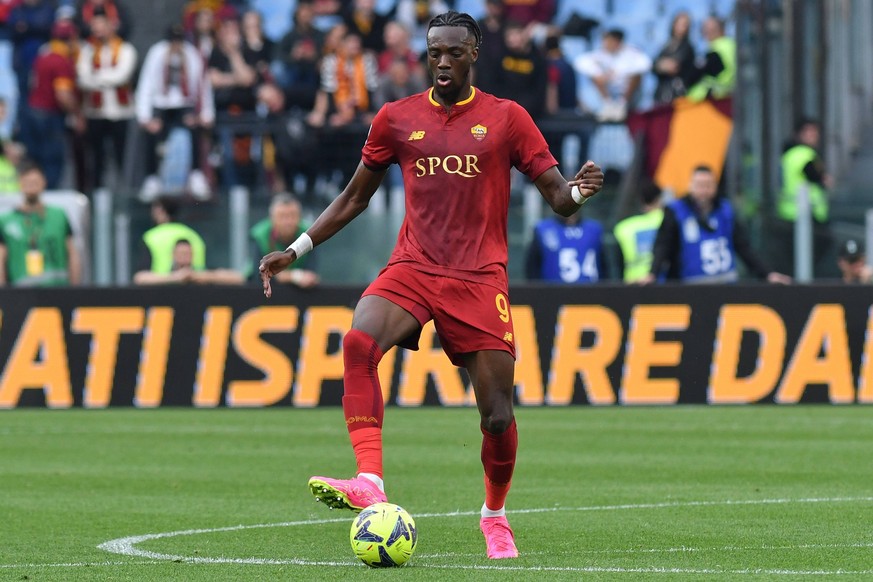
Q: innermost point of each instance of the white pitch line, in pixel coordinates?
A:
(82, 564)
(127, 545)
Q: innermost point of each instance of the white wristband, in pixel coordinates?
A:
(301, 246)
(576, 195)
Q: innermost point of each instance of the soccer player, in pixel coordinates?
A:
(455, 146)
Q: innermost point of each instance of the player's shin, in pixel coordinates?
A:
(362, 402)
(498, 459)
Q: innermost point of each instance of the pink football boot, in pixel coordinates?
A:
(354, 494)
(498, 538)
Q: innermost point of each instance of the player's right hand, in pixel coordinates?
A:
(275, 262)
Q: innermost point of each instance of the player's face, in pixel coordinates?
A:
(451, 53)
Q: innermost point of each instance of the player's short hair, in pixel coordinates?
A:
(462, 19)
(283, 199)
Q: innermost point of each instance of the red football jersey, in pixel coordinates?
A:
(456, 173)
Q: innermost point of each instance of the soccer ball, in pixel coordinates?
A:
(383, 535)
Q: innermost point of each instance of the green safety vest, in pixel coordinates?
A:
(637, 261)
(793, 161)
(162, 239)
(8, 177)
(722, 84)
(36, 247)
(261, 232)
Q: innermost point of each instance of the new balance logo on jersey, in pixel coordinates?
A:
(465, 166)
(507, 337)
(416, 135)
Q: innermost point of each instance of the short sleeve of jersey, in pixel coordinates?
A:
(378, 152)
(530, 152)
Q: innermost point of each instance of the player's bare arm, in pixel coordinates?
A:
(558, 191)
(345, 207)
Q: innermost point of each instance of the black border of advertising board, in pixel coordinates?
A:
(602, 345)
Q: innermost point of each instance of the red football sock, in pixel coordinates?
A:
(498, 458)
(362, 400)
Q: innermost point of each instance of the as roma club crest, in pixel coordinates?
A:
(479, 132)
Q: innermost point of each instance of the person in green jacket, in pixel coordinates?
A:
(803, 168)
(36, 241)
(275, 233)
(635, 236)
(160, 241)
(717, 76)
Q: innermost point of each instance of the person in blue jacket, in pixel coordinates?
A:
(566, 250)
(700, 239)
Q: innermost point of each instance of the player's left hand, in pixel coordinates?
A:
(589, 179)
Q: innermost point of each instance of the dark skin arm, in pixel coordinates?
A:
(356, 196)
(351, 202)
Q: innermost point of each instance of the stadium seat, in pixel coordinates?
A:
(475, 8)
(277, 15)
(595, 9)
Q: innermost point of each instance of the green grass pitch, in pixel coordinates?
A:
(679, 493)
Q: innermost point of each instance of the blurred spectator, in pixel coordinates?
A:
(852, 262)
(276, 233)
(616, 70)
(486, 71)
(561, 78)
(717, 75)
(348, 79)
(803, 169)
(530, 12)
(234, 79)
(10, 156)
(53, 97)
(362, 19)
(8, 80)
(566, 250)
(203, 33)
(112, 10)
(172, 94)
(299, 54)
(159, 242)
(700, 238)
(396, 83)
(635, 236)
(675, 61)
(105, 68)
(523, 71)
(397, 48)
(36, 241)
(182, 271)
(415, 15)
(257, 48)
(31, 25)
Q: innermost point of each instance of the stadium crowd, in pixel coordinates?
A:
(218, 102)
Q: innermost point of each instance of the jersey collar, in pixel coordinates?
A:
(466, 101)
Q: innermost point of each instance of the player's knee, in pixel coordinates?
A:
(359, 349)
(496, 422)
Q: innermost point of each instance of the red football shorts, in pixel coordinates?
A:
(468, 316)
